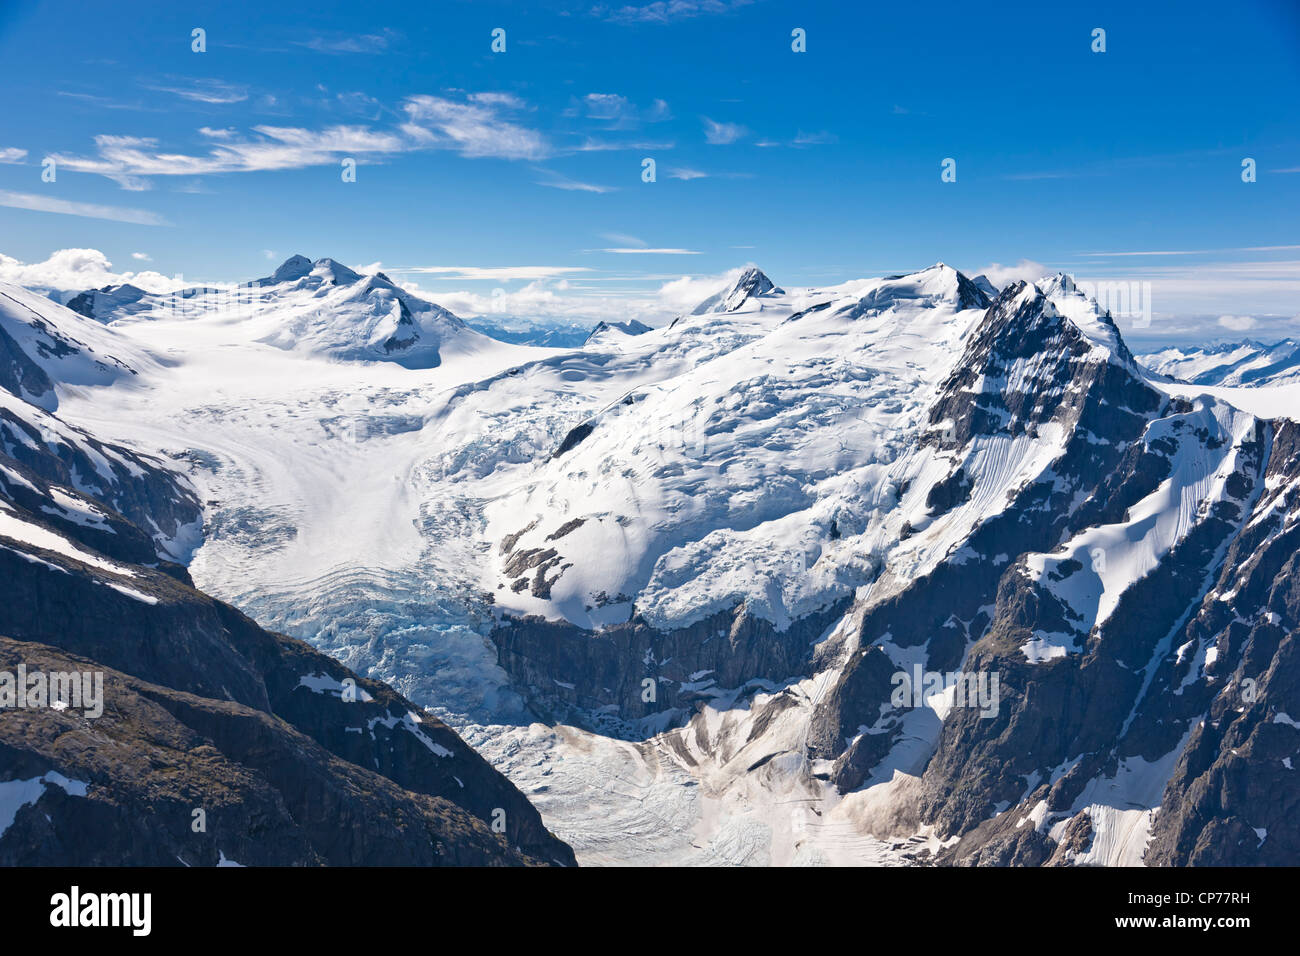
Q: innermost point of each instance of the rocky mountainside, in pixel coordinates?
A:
(217, 740)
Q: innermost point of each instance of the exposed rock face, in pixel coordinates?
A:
(637, 671)
(1233, 798)
(124, 788)
(1128, 687)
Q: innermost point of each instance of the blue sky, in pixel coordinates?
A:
(521, 171)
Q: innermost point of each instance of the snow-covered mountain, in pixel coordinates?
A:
(668, 582)
(322, 307)
(1247, 363)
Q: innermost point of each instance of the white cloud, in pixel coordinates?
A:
(142, 256)
(12, 155)
(350, 43)
(607, 106)
(130, 160)
(684, 294)
(821, 138)
(720, 134)
(1237, 323)
(39, 203)
(491, 273)
(685, 173)
(1192, 252)
(590, 145)
(74, 270)
(557, 181)
(1025, 269)
(474, 128)
(623, 239)
(642, 250)
(666, 11)
(206, 91)
(618, 112)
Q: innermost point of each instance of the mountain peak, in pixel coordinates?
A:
(295, 267)
(751, 284)
(334, 271)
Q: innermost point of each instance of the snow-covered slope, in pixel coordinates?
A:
(685, 496)
(42, 343)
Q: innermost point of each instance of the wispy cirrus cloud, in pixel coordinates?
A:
(12, 155)
(590, 145)
(819, 138)
(646, 251)
(559, 181)
(40, 203)
(491, 273)
(132, 161)
(1190, 252)
(722, 134)
(618, 112)
(477, 127)
(204, 91)
(623, 239)
(667, 11)
(350, 43)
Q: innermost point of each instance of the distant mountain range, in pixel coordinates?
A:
(1246, 363)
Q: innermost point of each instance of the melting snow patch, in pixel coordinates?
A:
(131, 593)
(1044, 646)
(411, 723)
(324, 684)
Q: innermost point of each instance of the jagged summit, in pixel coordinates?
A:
(751, 284)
